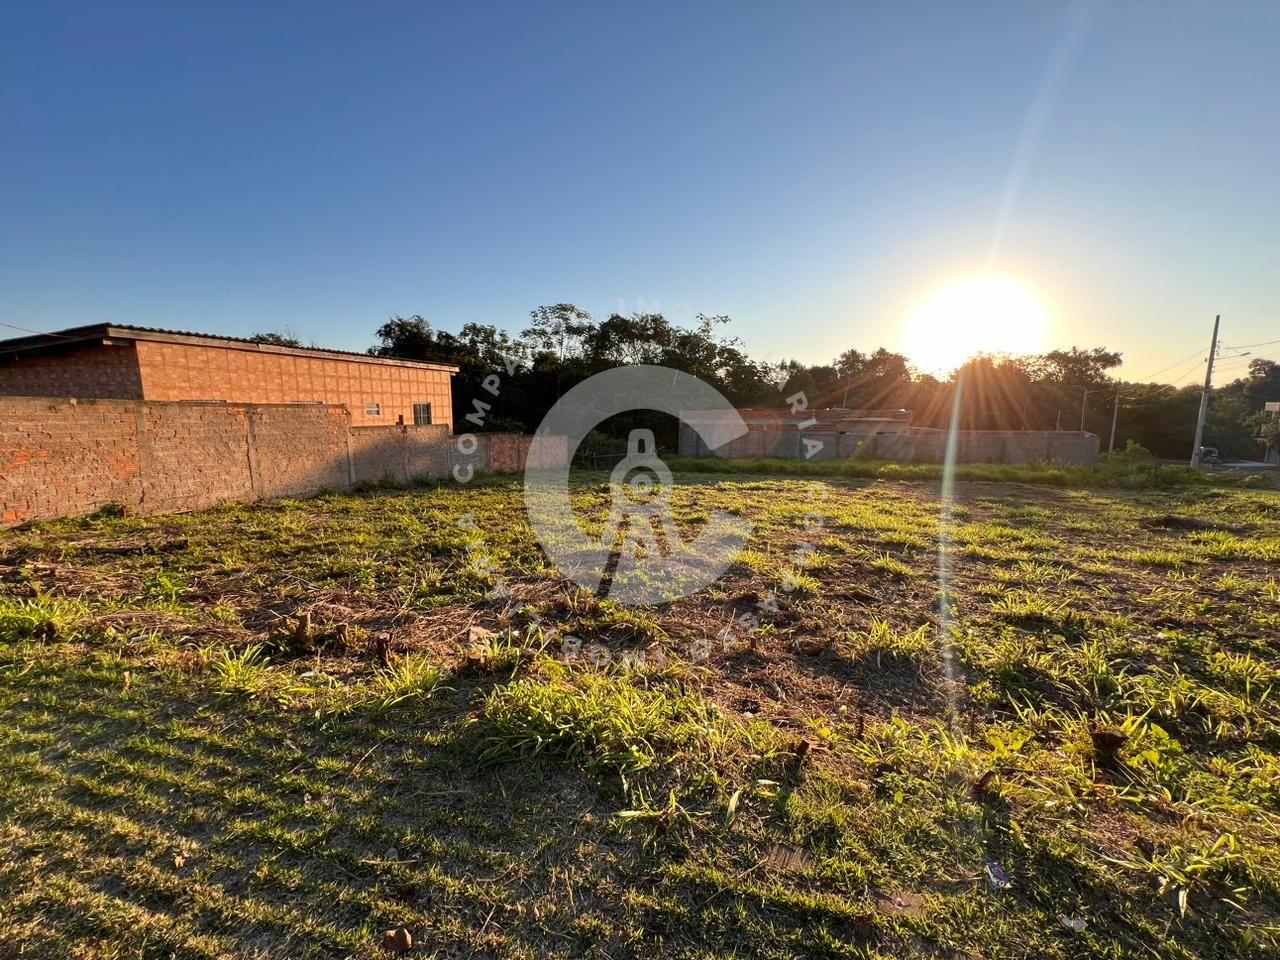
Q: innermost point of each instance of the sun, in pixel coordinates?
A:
(984, 313)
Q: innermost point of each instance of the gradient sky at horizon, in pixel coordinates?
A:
(812, 170)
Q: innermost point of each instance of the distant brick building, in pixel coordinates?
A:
(112, 362)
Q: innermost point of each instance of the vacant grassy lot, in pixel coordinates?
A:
(280, 730)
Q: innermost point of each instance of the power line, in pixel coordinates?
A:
(1241, 346)
(1249, 357)
(1188, 371)
(1193, 371)
(43, 333)
(1237, 363)
(1176, 363)
(1230, 367)
(1196, 354)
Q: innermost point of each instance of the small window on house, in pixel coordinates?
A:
(421, 414)
(373, 409)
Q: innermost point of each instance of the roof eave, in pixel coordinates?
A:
(73, 337)
(231, 343)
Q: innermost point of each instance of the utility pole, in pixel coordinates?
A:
(1084, 402)
(1204, 396)
(1115, 415)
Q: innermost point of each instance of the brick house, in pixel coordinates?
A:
(109, 361)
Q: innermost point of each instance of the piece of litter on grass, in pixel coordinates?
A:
(397, 941)
(1073, 923)
(996, 877)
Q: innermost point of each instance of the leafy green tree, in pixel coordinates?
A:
(285, 338)
(1075, 367)
(413, 338)
(563, 344)
(560, 329)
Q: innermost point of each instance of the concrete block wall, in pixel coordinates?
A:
(192, 456)
(918, 445)
(552, 453)
(988, 446)
(400, 453)
(63, 457)
(426, 450)
(296, 448)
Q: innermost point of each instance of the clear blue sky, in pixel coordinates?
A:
(810, 169)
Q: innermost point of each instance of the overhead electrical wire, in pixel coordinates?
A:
(1193, 372)
(1176, 363)
(1187, 371)
(1241, 346)
(1236, 362)
(42, 333)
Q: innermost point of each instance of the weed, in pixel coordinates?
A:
(412, 676)
(40, 618)
(1188, 867)
(882, 638)
(606, 724)
(892, 566)
(242, 671)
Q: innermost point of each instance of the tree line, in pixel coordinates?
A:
(562, 345)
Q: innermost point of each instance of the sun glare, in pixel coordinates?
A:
(978, 314)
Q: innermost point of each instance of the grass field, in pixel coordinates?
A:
(281, 730)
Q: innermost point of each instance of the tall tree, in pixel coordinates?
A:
(560, 328)
(1076, 367)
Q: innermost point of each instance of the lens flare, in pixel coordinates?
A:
(986, 313)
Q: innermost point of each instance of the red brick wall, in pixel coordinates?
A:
(179, 371)
(97, 372)
(506, 453)
(509, 452)
(61, 457)
(69, 457)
